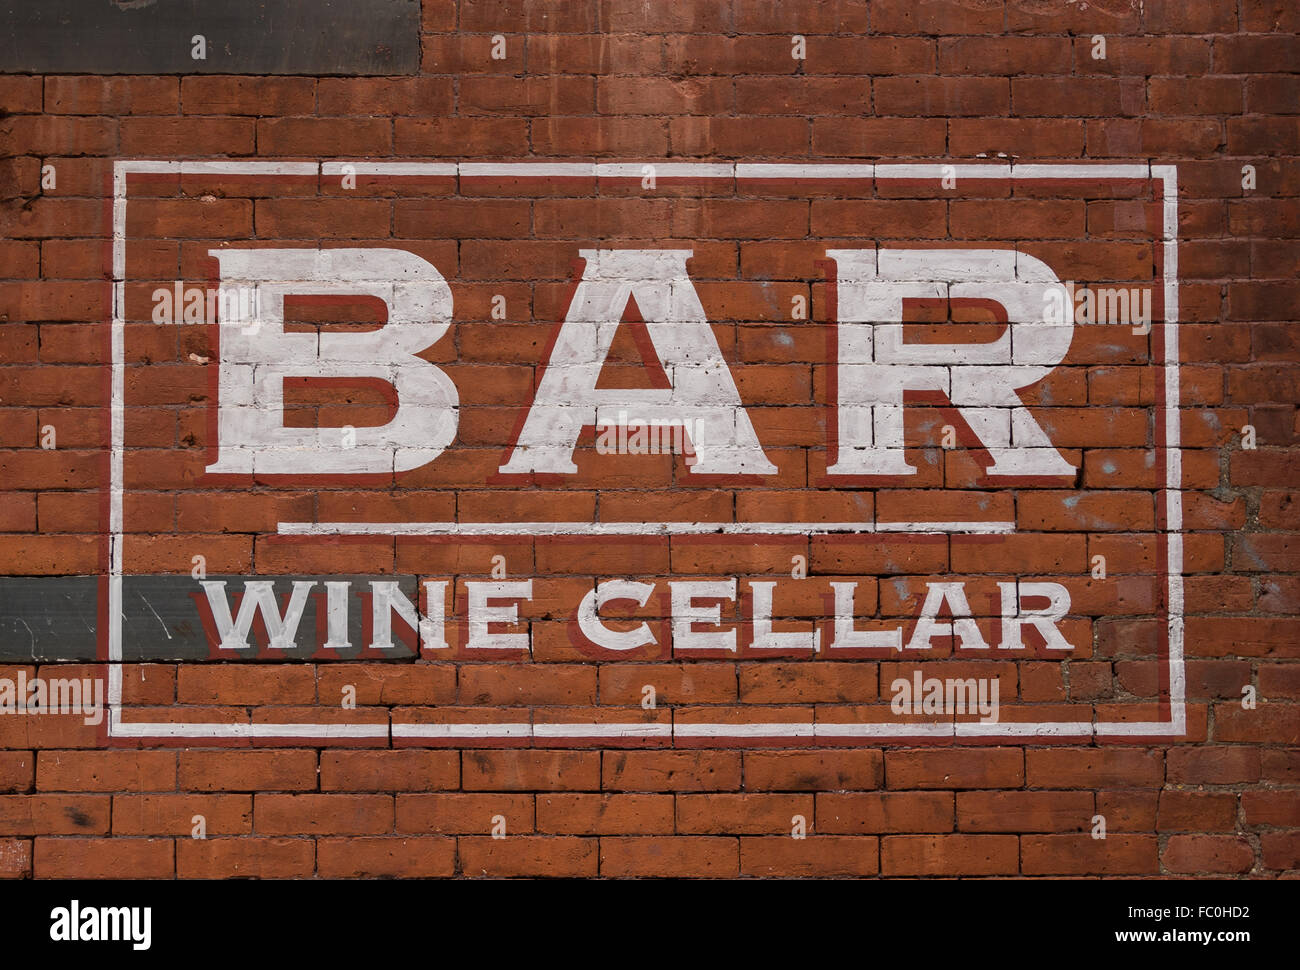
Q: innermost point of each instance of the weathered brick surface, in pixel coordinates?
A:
(1208, 87)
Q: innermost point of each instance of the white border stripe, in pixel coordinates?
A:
(1173, 451)
(759, 729)
(462, 730)
(1077, 171)
(390, 168)
(666, 170)
(250, 168)
(200, 729)
(145, 167)
(117, 443)
(995, 170)
(757, 170)
(527, 169)
(602, 730)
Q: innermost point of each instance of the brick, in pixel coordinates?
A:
(1072, 855)
(490, 16)
(22, 95)
(1280, 850)
(462, 813)
(385, 858)
(639, 95)
(526, 96)
(111, 95)
(1197, 811)
(815, 856)
(1279, 723)
(1258, 54)
(186, 136)
(772, 16)
(592, 814)
(77, 858)
(1093, 768)
(943, 17)
(54, 814)
(324, 136)
(247, 770)
(331, 814)
(961, 768)
(383, 96)
(1281, 765)
(1208, 853)
(530, 770)
(1024, 811)
(1195, 96)
(464, 136)
(528, 855)
(600, 136)
(1273, 808)
(248, 858)
(278, 684)
(1005, 56)
(106, 771)
(65, 135)
(1041, 137)
(1212, 765)
(175, 814)
(612, 53)
(946, 97)
(862, 136)
(787, 95)
(813, 770)
(410, 770)
(724, 137)
(949, 855)
(17, 770)
(756, 814)
(671, 771)
(15, 858)
(883, 812)
(651, 856)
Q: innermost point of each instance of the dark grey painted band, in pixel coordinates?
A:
(49, 619)
(349, 37)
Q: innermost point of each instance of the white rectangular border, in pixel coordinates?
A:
(1175, 727)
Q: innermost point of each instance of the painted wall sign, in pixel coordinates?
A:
(626, 445)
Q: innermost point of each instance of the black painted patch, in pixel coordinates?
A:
(315, 37)
(48, 619)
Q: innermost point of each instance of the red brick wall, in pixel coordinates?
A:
(1206, 86)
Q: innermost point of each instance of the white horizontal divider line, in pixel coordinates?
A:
(632, 729)
(628, 528)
